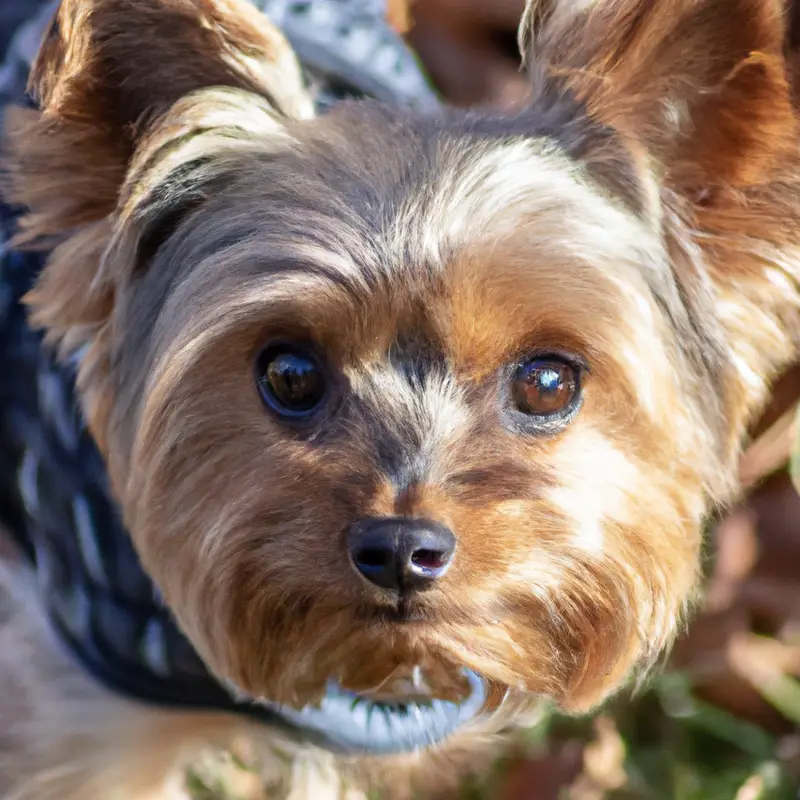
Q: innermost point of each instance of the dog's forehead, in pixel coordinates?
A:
(426, 186)
(366, 232)
(484, 222)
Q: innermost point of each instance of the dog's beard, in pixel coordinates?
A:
(400, 714)
(387, 685)
(374, 694)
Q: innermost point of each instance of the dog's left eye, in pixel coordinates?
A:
(291, 380)
(546, 388)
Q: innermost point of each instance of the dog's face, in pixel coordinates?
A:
(467, 333)
(385, 321)
(395, 401)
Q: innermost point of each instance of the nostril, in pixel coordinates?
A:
(374, 557)
(429, 559)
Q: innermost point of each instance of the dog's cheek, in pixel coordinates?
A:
(582, 581)
(631, 566)
(238, 523)
(289, 607)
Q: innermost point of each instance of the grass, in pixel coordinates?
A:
(676, 746)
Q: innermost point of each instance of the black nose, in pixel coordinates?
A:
(401, 554)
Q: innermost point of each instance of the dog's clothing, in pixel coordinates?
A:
(54, 494)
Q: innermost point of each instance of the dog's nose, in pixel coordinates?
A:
(401, 554)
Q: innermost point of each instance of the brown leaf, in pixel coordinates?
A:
(544, 777)
(770, 451)
(398, 12)
(737, 551)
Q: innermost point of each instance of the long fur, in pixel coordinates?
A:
(643, 212)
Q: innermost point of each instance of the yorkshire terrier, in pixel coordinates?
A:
(413, 418)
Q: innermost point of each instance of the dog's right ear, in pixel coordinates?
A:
(131, 96)
(106, 71)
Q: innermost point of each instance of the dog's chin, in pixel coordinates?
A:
(360, 710)
(367, 678)
(385, 722)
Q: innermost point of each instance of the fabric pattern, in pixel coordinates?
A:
(347, 49)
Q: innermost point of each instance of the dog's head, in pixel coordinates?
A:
(395, 401)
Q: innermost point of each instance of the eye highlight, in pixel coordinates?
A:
(290, 380)
(547, 389)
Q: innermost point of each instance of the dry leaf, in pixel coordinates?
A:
(770, 667)
(794, 461)
(737, 551)
(603, 763)
(398, 12)
(770, 451)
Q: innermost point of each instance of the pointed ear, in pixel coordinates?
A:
(701, 83)
(107, 71)
(129, 94)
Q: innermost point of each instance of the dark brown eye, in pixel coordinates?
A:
(291, 380)
(545, 387)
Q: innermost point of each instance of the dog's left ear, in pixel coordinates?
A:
(701, 83)
(700, 91)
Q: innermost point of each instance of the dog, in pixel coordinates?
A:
(413, 419)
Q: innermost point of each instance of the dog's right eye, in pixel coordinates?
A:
(291, 380)
(545, 393)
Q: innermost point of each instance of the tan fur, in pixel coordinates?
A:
(646, 219)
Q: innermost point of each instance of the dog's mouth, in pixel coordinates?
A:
(383, 723)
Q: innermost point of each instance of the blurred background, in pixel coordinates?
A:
(721, 720)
